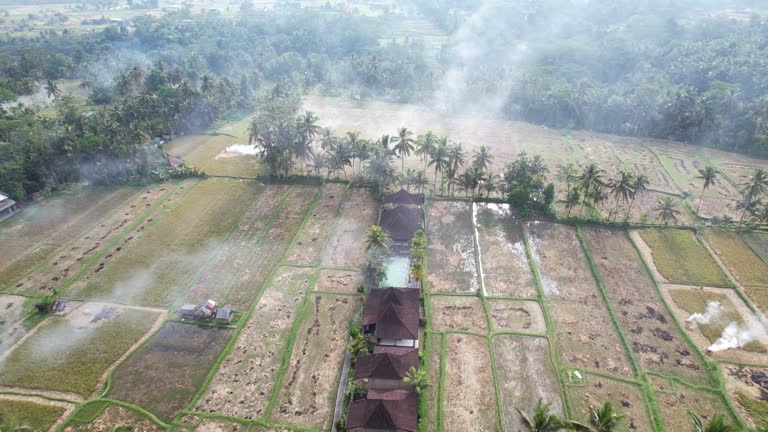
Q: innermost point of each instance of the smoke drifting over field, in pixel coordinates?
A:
(711, 313)
(734, 336)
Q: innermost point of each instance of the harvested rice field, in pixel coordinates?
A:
(338, 281)
(738, 258)
(746, 388)
(516, 316)
(111, 418)
(525, 375)
(505, 268)
(594, 390)
(435, 345)
(313, 235)
(675, 405)
(345, 247)
(451, 248)
(680, 258)
(458, 314)
(35, 416)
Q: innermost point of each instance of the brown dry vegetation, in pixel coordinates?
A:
(163, 375)
(311, 238)
(747, 387)
(516, 316)
(345, 248)
(505, 265)
(114, 417)
(525, 375)
(245, 380)
(435, 345)
(338, 281)
(457, 313)
(626, 398)
(571, 295)
(217, 275)
(451, 254)
(648, 327)
(308, 388)
(675, 406)
(272, 249)
(468, 398)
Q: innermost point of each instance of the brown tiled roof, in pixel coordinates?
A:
(397, 322)
(379, 298)
(401, 222)
(394, 409)
(387, 365)
(403, 197)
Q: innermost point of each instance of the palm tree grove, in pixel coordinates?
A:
(383, 215)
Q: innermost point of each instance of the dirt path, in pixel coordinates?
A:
(647, 254)
(36, 393)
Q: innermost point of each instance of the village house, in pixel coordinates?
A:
(386, 367)
(391, 317)
(224, 315)
(7, 206)
(404, 198)
(394, 410)
(401, 222)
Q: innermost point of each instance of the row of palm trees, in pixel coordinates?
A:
(607, 419)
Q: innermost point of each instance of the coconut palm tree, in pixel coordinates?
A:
(418, 378)
(604, 419)
(567, 174)
(306, 125)
(376, 238)
(420, 180)
(425, 145)
(622, 188)
(355, 142)
(717, 424)
(755, 187)
(456, 156)
(52, 89)
(639, 185)
(591, 177)
(327, 140)
(708, 175)
(572, 199)
(408, 178)
(404, 145)
(543, 420)
(418, 272)
(482, 158)
(666, 210)
(439, 159)
(491, 183)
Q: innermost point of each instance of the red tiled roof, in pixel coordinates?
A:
(387, 365)
(394, 409)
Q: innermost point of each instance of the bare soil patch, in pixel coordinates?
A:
(271, 250)
(626, 398)
(505, 271)
(647, 324)
(451, 254)
(114, 417)
(457, 313)
(747, 387)
(214, 425)
(234, 255)
(345, 248)
(525, 375)
(516, 316)
(311, 238)
(468, 396)
(245, 380)
(163, 375)
(338, 281)
(309, 386)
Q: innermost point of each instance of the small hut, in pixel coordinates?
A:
(225, 315)
(7, 206)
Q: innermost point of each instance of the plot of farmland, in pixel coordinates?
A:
(245, 380)
(271, 250)
(345, 248)
(312, 236)
(745, 389)
(457, 313)
(13, 325)
(308, 388)
(739, 259)
(434, 344)
(680, 258)
(648, 326)
(469, 401)
(758, 242)
(32, 236)
(572, 294)
(156, 268)
(218, 274)
(675, 405)
(70, 260)
(516, 316)
(338, 281)
(626, 398)
(71, 353)
(505, 269)
(165, 373)
(114, 418)
(32, 415)
(451, 254)
(525, 375)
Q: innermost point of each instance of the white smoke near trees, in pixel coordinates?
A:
(239, 150)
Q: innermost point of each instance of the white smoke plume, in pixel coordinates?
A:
(711, 313)
(239, 150)
(734, 336)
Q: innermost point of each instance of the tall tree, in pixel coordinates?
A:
(439, 160)
(754, 188)
(621, 187)
(591, 177)
(482, 158)
(708, 176)
(376, 238)
(404, 145)
(717, 424)
(543, 419)
(425, 145)
(638, 186)
(666, 210)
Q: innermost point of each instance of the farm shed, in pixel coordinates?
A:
(401, 222)
(391, 316)
(403, 197)
(187, 311)
(391, 410)
(7, 206)
(386, 367)
(225, 315)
